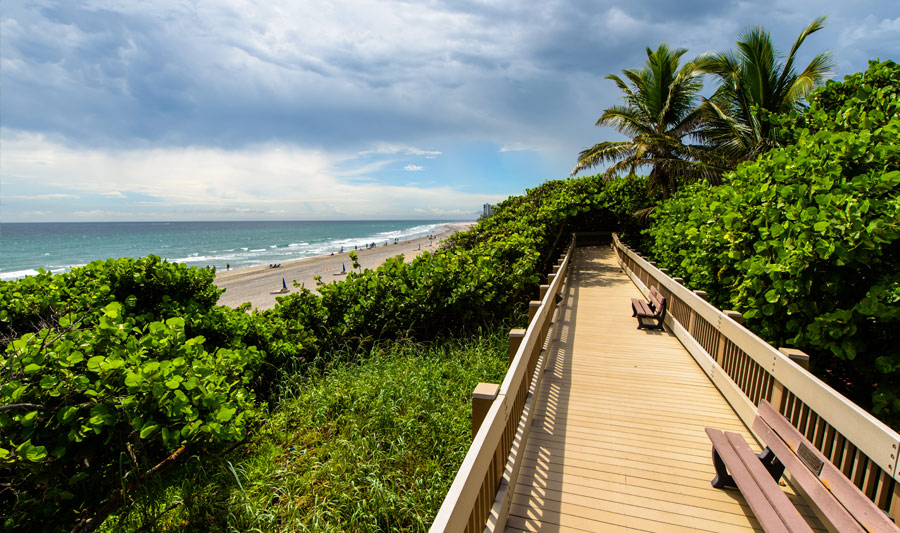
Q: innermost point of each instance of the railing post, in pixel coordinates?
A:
(679, 281)
(533, 306)
(798, 356)
(482, 398)
(550, 278)
(777, 393)
(542, 291)
(692, 315)
(720, 349)
(515, 340)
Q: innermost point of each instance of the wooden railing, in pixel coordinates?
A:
(480, 495)
(746, 370)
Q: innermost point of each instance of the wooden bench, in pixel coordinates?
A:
(655, 309)
(836, 499)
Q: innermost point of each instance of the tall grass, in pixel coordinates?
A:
(370, 444)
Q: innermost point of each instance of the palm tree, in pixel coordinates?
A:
(660, 111)
(753, 83)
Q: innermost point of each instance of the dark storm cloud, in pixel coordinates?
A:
(355, 74)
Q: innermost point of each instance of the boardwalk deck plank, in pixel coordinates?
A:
(618, 442)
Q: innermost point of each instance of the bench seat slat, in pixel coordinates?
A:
(642, 308)
(851, 500)
(830, 507)
(767, 501)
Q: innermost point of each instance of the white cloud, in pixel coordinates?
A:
(100, 214)
(51, 196)
(871, 29)
(514, 147)
(114, 194)
(269, 179)
(391, 149)
(446, 212)
(413, 168)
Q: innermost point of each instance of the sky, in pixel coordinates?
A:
(115, 110)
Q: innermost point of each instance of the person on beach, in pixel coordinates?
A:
(227, 267)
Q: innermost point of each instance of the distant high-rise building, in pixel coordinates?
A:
(488, 210)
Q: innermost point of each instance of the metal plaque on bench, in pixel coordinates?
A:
(810, 460)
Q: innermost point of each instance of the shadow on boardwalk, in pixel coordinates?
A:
(618, 441)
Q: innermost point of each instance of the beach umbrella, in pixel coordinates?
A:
(283, 284)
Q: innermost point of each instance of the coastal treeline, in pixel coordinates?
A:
(125, 373)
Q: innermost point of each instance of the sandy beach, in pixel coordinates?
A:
(255, 284)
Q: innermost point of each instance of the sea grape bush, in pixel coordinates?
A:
(805, 240)
(105, 375)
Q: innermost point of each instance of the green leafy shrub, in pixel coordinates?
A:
(104, 378)
(805, 240)
(370, 443)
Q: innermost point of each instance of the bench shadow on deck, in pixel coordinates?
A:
(618, 442)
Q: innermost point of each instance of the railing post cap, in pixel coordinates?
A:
(734, 315)
(794, 354)
(517, 332)
(486, 391)
(678, 280)
(534, 303)
(701, 294)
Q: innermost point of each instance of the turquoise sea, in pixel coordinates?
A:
(25, 247)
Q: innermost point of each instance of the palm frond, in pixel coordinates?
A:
(813, 27)
(817, 70)
(624, 120)
(601, 153)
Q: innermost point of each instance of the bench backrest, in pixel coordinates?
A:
(816, 474)
(658, 301)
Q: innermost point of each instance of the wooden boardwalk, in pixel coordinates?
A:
(617, 442)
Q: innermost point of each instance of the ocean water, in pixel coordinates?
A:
(57, 247)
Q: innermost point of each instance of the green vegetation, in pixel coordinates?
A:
(108, 371)
(116, 371)
(753, 84)
(361, 446)
(685, 139)
(805, 240)
(661, 110)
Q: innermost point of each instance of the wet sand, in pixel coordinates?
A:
(255, 284)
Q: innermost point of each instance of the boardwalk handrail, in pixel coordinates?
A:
(479, 497)
(746, 370)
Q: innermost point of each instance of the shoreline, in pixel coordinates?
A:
(255, 284)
